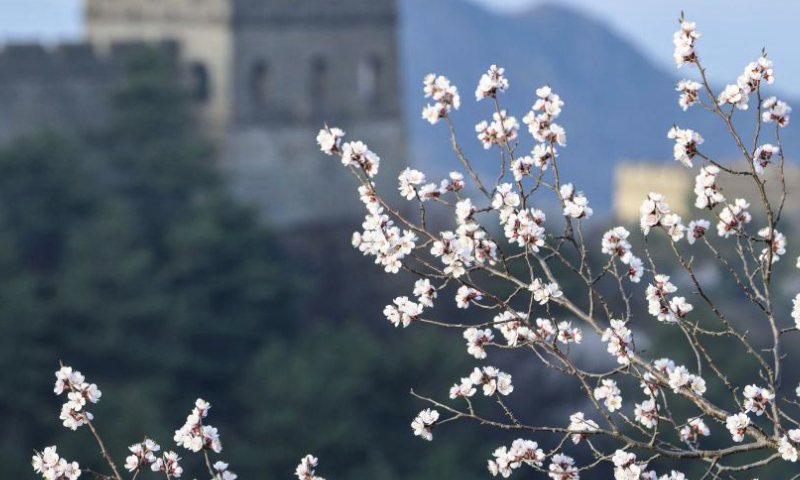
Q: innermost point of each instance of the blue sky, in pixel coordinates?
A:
(731, 36)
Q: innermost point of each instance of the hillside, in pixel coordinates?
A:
(619, 105)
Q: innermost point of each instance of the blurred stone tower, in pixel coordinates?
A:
(266, 74)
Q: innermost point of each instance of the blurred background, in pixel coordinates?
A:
(169, 227)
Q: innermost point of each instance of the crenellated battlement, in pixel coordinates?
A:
(203, 11)
(30, 62)
(284, 12)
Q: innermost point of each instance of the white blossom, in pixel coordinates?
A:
(763, 157)
(425, 292)
(684, 41)
(466, 295)
(737, 424)
(544, 292)
(357, 154)
(143, 453)
(732, 217)
(653, 211)
(735, 94)
(540, 119)
(689, 90)
(619, 341)
(705, 187)
(443, 94)
(578, 423)
(776, 242)
(513, 327)
(615, 243)
(568, 334)
(576, 205)
(53, 467)
(492, 380)
(476, 340)
(756, 399)
(194, 435)
(788, 444)
(500, 131)
(464, 389)
(610, 394)
(693, 430)
(423, 423)
(696, 230)
(563, 467)
(774, 110)
(647, 413)
(686, 142)
(491, 83)
(305, 470)
(330, 140)
(521, 452)
(403, 312)
(168, 463)
(79, 392)
(408, 181)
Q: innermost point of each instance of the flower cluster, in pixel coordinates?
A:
(576, 205)
(776, 241)
(195, 436)
(788, 445)
(514, 328)
(686, 143)
(696, 230)
(408, 181)
(357, 154)
(562, 467)
(540, 119)
(681, 380)
(647, 413)
(503, 129)
(468, 245)
(684, 41)
(381, 238)
(737, 424)
(53, 467)
(477, 340)
(521, 452)
(689, 93)
(544, 292)
(423, 424)
(655, 212)
(610, 393)
(756, 399)
(425, 292)
(142, 454)
(492, 381)
(582, 426)
(615, 243)
(732, 216)
(221, 472)
(305, 470)
(330, 140)
(763, 157)
(708, 193)
(627, 468)
(443, 93)
(79, 392)
(491, 83)
(774, 110)
(693, 430)
(403, 312)
(168, 464)
(620, 341)
(659, 305)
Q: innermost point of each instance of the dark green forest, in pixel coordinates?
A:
(123, 255)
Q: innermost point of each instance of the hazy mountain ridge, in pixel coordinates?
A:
(618, 104)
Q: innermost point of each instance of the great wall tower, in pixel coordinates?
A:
(265, 75)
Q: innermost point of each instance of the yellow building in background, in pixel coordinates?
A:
(634, 180)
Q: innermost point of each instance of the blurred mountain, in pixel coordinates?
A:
(618, 104)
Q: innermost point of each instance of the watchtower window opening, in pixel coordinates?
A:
(201, 82)
(319, 79)
(368, 80)
(260, 82)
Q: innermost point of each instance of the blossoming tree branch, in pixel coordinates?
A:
(630, 422)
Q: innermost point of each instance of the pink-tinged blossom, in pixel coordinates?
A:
(756, 399)
(477, 340)
(689, 93)
(763, 157)
(168, 464)
(774, 110)
(693, 430)
(444, 95)
(737, 424)
(696, 230)
(732, 217)
(500, 131)
(423, 423)
(53, 467)
(521, 452)
(647, 413)
(563, 467)
(491, 83)
(610, 394)
(788, 445)
(686, 143)
(305, 470)
(776, 241)
(581, 426)
(684, 41)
